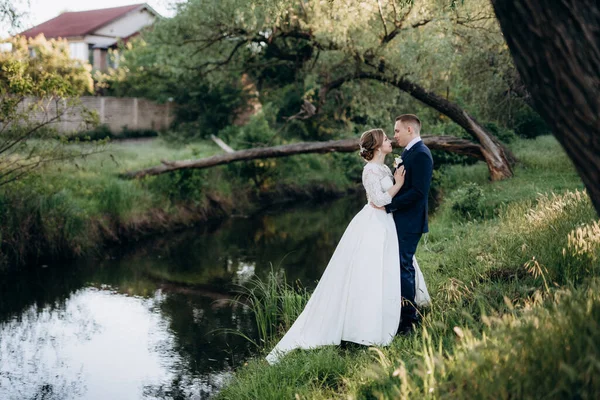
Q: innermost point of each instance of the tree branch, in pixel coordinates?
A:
(445, 143)
(382, 18)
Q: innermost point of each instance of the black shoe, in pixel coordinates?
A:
(406, 328)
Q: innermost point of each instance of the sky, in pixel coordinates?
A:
(39, 11)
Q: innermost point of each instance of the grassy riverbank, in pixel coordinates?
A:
(72, 209)
(511, 267)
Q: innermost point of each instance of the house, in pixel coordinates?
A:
(92, 33)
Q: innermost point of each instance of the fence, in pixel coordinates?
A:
(117, 113)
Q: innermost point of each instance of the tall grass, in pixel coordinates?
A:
(550, 351)
(35, 227)
(275, 304)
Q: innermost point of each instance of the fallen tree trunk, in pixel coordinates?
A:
(446, 143)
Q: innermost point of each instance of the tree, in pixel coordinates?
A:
(556, 48)
(39, 85)
(10, 13)
(312, 50)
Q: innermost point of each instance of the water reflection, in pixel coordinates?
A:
(142, 323)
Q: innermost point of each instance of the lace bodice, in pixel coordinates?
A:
(377, 179)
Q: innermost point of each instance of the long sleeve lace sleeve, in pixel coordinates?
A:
(373, 185)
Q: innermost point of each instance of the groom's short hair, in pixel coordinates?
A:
(411, 119)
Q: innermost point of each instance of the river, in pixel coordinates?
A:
(149, 320)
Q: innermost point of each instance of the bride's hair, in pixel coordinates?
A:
(370, 141)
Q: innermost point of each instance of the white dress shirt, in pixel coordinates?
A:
(412, 143)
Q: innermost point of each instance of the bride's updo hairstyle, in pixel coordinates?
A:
(370, 141)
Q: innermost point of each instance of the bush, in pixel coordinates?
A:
(185, 185)
(468, 201)
(505, 135)
(103, 132)
(257, 133)
(529, 125)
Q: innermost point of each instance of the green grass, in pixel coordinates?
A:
(515, 304)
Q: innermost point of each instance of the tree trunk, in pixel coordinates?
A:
(446, 143)
(498, 158)
(556, 49)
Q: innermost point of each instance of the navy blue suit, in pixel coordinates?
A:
(409, 208)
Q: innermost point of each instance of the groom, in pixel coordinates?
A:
(409, 208)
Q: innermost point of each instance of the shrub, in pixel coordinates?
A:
(103, 132)
(467, 201)
(528, 124)
(185, 185)
(503, 134)
(257, 133)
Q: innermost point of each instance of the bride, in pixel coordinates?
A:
(358, 297)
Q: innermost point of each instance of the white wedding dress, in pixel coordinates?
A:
(358, 297)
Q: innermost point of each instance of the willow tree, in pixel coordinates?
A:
(407, 46)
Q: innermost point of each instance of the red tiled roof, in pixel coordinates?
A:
(70, 24)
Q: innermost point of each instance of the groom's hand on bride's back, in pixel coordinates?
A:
(374, 206)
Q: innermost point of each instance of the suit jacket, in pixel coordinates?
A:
(410, 204)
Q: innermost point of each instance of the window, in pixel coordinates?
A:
(79, 51)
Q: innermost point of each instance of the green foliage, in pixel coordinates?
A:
(50, 72)
(116, 199)
(505, 135)
(257, 133)
(35, 91)
(294, 377)
(549, 351)
(103, 131)
(203, 110)
(186, 185)
(467, 202)
(203, 107)
(35, 225)
(217, 60)
(529, 124)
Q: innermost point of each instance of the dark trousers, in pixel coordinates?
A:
(408, 243)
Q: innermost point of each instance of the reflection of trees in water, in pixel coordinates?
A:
(31, 363)
(196, 323)
(300, 241)
(39, 288)
(183, 386)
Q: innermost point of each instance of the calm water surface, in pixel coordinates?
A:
(147, 323)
